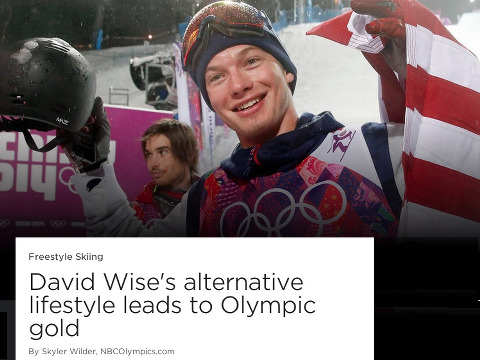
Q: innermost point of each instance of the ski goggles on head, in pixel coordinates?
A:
(232, 19)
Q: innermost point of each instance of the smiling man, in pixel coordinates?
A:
(290, 175)
(309, 175)
(250, 91)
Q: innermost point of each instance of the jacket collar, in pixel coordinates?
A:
(285, 151)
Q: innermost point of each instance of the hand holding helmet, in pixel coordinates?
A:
(46, 85)
(88, 148)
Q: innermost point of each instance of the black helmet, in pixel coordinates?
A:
(45, 84)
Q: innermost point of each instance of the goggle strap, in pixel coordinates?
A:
(229, 30)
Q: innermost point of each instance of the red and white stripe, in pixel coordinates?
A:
(441, 111)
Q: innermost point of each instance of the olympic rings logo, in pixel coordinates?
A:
(62, 176)
(4, 223)
(263, 223)
(58, 224)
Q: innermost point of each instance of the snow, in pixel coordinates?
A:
(330, 77)
(467, 30)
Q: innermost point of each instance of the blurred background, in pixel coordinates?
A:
(94, 24)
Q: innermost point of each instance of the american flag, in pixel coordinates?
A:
(440, 107)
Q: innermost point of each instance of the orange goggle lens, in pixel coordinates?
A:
(229, 18)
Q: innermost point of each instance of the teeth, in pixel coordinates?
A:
(247, 105)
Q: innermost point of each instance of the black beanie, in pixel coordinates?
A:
(219, 42)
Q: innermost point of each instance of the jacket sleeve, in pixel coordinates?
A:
(108, 212)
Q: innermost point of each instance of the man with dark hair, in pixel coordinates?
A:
(171, 154)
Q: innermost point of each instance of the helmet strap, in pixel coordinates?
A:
(58, 140)
(7, 124)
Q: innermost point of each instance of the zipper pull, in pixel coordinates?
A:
(250, 160)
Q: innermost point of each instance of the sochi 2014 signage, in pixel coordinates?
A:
(37, 196)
